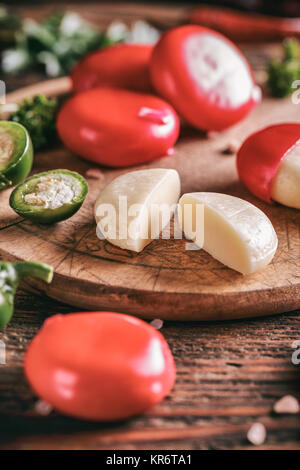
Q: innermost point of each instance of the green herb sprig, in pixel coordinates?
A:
(38, 115)
(282, 73)
(53, 45)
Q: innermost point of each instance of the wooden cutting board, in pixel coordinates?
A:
(165, 280)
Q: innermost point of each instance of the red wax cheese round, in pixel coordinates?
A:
(204, 76)
(121, 66)
(99, 366)
(116, 127)
(260, 157)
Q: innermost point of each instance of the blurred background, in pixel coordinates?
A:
(44, 39)
(279, 7)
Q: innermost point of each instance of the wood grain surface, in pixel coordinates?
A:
(229, 374)
(165, 279)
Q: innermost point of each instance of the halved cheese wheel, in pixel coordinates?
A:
(286, 182)
(132, 210)
(262, 166)
(204, 76)
(235, 232)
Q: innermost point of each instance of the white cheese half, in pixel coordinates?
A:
(133, 209)
(236, 233)
(286, 183)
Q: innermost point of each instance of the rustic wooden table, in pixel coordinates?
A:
(229, 375)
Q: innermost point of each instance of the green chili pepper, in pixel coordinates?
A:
(49, 197)
(16, 154)
(10, 276)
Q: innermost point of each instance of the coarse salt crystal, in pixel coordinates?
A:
(157, 323)
(43, 408)
(287, 404)
(257, 434)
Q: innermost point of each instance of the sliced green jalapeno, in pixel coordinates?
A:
(49, 197)
(10, 276)
(16, 154)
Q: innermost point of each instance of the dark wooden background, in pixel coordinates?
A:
(229, 374)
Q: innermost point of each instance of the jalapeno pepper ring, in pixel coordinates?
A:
(50, 196)
(16, 154)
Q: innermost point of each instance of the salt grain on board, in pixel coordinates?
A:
(42, 408)
(287, 404)
(157, 323)
(257, 434)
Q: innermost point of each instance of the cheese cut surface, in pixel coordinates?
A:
(133, 209)
(286, 183)
(236, 233)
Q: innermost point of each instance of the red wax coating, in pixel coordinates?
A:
(179, 66)
(115, 127)
(121, 66)
(260, 155)
(100, 366)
